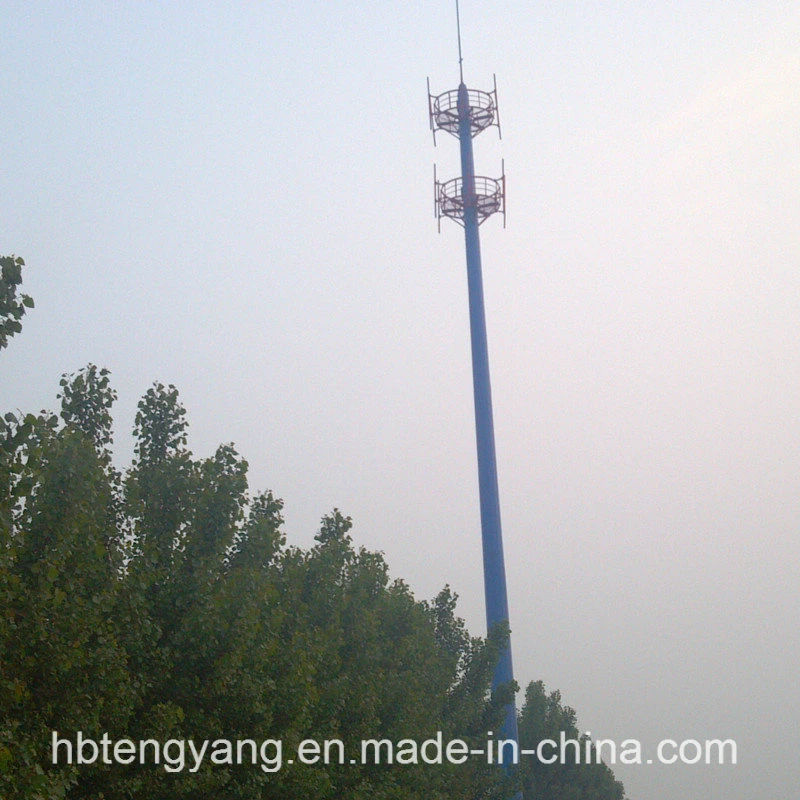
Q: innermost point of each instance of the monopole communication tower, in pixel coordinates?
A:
(470, 200)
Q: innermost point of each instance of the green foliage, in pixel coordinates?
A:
(12, 306)
(161, 425)
(544, 717)
(86, 400)
(163, 602)
(62, 667)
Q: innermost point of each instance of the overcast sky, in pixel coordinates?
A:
(238, 199)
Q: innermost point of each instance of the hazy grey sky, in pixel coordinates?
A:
(238, 200)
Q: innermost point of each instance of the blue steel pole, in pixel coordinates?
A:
(494, 572)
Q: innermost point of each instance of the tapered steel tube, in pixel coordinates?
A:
(494, 573)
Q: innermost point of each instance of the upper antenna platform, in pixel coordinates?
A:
(444, 113)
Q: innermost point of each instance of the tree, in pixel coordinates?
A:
(61, 663)
(163, 602)
(544, 717)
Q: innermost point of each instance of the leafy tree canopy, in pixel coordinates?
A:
(544, 717)
(163, 602)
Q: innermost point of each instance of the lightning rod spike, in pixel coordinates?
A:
(460, 59)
